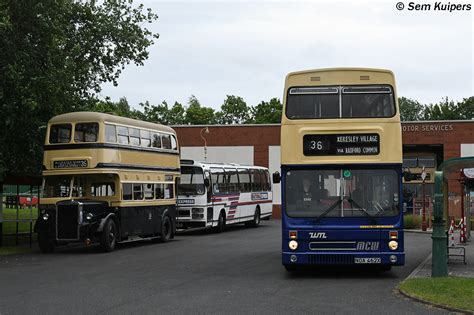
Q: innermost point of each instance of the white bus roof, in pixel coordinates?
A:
(207, 165)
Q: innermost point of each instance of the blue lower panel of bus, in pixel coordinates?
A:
(330, 258)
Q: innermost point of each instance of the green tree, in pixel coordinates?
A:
(233, 111)
(177, 114)
(198, 115)
(466, 108)
(267, 112)
(54, 56)
(156, 113)
(410, 110)
(444, 110)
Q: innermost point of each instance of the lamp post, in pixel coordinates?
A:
(423, 216)
(204, 131)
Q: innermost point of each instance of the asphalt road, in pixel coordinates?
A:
(238, 271)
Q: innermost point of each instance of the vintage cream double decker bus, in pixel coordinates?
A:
(107, 179)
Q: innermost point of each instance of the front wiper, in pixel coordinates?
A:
(353, 202)
(329, 210)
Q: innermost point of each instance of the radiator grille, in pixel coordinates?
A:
(331, 259)
(68, 222)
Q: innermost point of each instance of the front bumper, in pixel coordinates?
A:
(343, 258)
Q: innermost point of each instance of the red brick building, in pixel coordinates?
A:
(259, 145)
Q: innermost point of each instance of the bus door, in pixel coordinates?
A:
(232, 180)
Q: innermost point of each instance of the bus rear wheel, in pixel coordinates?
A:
(166, 229)
(46, 244)
(256, 219)
(108, 239)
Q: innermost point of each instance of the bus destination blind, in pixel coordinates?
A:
(341, 144)
(70, 164)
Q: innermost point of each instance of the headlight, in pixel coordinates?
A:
(393, 245)
(89, 216)
(45, 217)
(293, 244)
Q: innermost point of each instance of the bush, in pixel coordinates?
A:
(411, 222)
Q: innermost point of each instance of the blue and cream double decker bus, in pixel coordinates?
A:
(341, 169)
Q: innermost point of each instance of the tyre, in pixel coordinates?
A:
(290, 268)
(166, 229)
(256, 219)
(109, 237)
(46, 244)
(220, 223)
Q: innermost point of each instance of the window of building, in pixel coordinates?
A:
(110, 133)
(86, 132)
(60, 133)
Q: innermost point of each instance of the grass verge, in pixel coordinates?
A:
(452, 292)
(23, 214)
(13, 250)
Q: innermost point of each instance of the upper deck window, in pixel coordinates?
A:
(340, 102)
(166, 140)
(60, 133)
(122, 134)
(134, 136)
(145, 136)
(110, 133)
(86, 132)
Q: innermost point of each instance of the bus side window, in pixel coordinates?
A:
(232, 180)
(169, 191)
(122, 135)
(137, 191)
(159, 191)
(148, 191)
(269, 182)
(127, 191)
(134, 136)
(174, 144)
(166, 140)
(145, 138)
(256, 180)
(244, 179)
(156, 140)
(110, 133)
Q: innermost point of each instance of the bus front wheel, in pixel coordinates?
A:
(108, 239)
(220, 223)
(46, 244)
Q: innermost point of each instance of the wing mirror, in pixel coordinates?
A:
(276, 177)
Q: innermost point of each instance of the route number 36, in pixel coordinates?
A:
(316, 145)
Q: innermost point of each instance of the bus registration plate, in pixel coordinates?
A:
(367, 260)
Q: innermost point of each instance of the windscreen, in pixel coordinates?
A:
(191, 181)
(66, 186)
(340, 102)
(342, 193)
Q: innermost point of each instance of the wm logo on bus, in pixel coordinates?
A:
(317, 235)
(367, 246)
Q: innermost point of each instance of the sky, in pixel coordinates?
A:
(211, 49)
